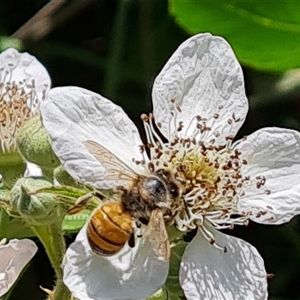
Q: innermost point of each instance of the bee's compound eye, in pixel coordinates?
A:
(155, 186)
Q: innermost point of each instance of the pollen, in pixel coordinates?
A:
(17, 103)
(194, 169)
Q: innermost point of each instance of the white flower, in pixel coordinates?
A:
(13, 258)
(24, 83)
(199, 104)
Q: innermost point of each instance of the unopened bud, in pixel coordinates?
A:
(36, 207)
(34, 144)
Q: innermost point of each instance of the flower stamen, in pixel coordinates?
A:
(15, 110)
(209, 174)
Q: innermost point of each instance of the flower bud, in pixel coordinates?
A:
(35, 145)
(36, 207)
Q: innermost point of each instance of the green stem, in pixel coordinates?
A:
(52, 239)
(61, 292)
(52, 246)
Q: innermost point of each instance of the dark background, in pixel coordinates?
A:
(116, 48)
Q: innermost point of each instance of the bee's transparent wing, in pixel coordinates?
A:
(156, 233)
(115, 169)
(72, 115)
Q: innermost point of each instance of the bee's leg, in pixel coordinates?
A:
(99, 195)
(131, 241)
(121, 189)
(82, 202)
(138, 225)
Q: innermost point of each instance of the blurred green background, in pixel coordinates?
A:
(116, 48)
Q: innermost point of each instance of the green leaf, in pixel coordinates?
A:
(9, 42)
(73, 223)
(64, 191)
(264, 34)
(172, 286)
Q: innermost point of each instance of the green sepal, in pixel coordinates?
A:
(64, 178)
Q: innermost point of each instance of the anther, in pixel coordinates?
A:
(229, 138)
(144, 118)
(141, 148)
(234, 118)
(178, 108)
(151, 167)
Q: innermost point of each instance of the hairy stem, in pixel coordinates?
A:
(51, 237)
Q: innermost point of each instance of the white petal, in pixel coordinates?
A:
(131, 274)
(72, 115)
(201, 76)
(13, 258)
(208, 273)
(275, 154)
(23, 67)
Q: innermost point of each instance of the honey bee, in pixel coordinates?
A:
(146, 199)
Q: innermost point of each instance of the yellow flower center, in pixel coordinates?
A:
(196, 169)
